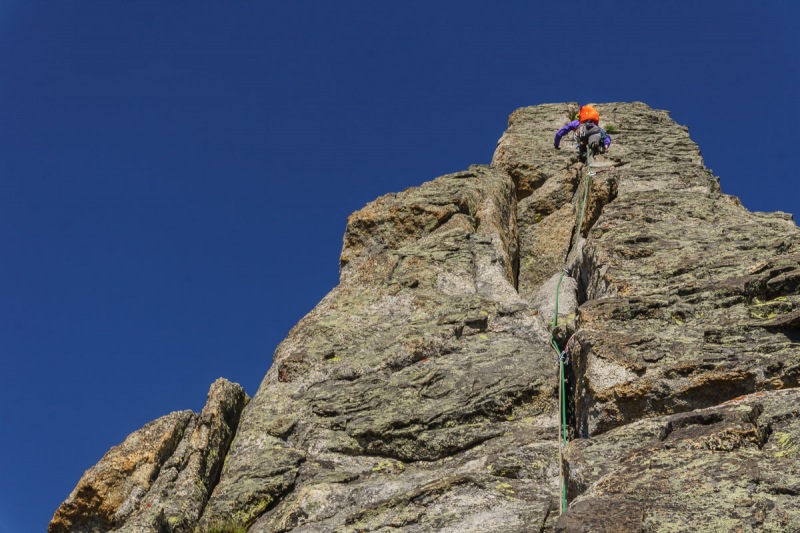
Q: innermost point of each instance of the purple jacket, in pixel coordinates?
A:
(572, 126)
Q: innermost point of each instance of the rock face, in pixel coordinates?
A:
(422, 393)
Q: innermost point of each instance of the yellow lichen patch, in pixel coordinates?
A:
(766, 310)
(788, 447)
(389, 466)
(505, 488)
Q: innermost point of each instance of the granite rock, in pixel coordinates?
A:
(421, 394)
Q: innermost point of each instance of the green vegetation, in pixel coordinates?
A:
(610, 128)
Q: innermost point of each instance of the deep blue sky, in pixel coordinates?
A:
(175, 177)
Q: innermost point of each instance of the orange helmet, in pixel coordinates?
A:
(589, 113)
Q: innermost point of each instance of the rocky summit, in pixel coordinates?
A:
(422, 393)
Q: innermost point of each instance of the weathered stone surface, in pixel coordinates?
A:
(159, 478)
(734, 467)
(421, 394)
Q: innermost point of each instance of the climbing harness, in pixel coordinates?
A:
(563, 356)
(581, 134)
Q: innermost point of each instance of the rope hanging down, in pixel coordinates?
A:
(562, 356)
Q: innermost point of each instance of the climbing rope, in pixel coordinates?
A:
(563, 356)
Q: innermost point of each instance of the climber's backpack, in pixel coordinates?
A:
(587, 130)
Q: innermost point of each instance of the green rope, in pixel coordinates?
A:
(561, 363)
(561, 376)
(564, 435)
(586, 190)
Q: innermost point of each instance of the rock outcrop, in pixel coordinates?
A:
(161, 476)
(422, 393)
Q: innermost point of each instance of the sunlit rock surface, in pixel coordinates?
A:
(421, 394)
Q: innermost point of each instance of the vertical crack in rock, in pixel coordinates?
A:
(551, 189)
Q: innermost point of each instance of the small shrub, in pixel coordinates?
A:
(611, 129)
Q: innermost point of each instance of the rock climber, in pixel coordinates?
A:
(588, 131)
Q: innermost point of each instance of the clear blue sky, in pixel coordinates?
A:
(175, 177)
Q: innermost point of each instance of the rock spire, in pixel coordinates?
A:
(421, 394)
